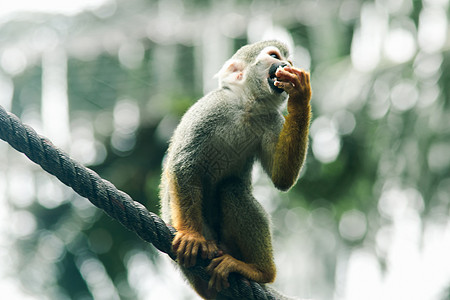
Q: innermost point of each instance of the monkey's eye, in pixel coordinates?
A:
(274, 55)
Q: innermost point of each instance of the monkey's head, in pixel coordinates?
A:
(252, 68)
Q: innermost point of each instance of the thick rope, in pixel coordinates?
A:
(106, 196)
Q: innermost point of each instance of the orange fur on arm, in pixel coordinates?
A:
(291, 148)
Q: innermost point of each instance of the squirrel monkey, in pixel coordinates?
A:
(206, 191)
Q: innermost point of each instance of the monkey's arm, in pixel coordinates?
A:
(289, 152)
(186, 208)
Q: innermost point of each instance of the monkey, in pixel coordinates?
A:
(206, 191)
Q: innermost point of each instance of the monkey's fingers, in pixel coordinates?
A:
(182, 247)
(204, 250)
(304, 76)
(189, 257)
(213, 264)
(212, 284)
(297, 71)
(181, 250)
(176, 243)
(194, 251)
(295, 74)
(219, 268)
(288, 74)
(299, 89)
(218, 281)
(287, 86)
(209, 250)
(289, 81)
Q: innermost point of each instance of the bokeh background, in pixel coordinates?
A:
(108, 80)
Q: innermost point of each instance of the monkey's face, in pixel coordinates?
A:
(263, 70)
(252, 70)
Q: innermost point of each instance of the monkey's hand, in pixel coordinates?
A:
(187, 245)
(297, 84)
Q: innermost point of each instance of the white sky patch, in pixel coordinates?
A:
(49, 6)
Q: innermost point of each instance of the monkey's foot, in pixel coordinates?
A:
(220, 268)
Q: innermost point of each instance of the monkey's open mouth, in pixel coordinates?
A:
(272, 78)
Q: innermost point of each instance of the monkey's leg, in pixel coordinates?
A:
(245, 235)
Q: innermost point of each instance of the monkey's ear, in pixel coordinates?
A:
(231, 72)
